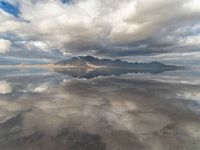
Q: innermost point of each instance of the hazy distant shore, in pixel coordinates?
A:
(37, 66)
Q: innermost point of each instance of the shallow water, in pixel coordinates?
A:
(47, 110)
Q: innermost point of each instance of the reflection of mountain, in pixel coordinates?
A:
(92, 62)
(91, 73)
(90, 67)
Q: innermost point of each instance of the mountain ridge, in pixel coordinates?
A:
(94, 62)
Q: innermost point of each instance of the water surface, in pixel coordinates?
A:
(75, 110)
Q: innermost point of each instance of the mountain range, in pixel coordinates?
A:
(94, 63)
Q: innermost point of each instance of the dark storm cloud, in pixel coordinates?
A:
(104, 28)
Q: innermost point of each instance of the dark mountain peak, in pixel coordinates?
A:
(90, 61)
(88, 58)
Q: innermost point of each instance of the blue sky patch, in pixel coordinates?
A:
(66, 1)
(9, 8)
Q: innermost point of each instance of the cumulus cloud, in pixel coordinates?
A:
(34, 45)
(7, 22)
(5, 87)
(104, 27)
(190, 40)
(4, 45)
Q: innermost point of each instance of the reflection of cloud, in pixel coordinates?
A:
(91, 105)
(5, 87)
(8, 110)
(192, 129)
(116, 109)
(36, 88)
(41, 88)
(185, 76)
(189, 95)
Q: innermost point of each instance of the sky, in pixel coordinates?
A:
(133, 30)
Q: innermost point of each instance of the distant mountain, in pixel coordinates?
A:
(94, 63)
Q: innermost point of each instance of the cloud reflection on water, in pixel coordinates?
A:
(112, 113)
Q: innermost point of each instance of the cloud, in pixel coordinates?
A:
(190, 40)
(5, 87)
(107, 28)
(8, 23)
(4, 45)
(36, 45)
